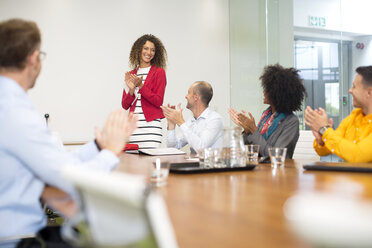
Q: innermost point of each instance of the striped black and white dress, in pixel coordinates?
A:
(148, 134)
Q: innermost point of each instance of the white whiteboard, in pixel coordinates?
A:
(88, 43)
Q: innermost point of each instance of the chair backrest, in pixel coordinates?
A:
(10, 242)
(116, 208)
(304, 148)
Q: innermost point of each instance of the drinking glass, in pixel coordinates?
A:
(252, 153)
(159, 173)
(201, 155)
(277, 156)
(208, 158)
(233, 150)
(212, 158)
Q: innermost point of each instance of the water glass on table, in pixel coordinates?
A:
(201, 155)
(252, 153)
(277, 156)
(159, 173)
(212, 157)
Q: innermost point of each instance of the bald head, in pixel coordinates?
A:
(204, 90)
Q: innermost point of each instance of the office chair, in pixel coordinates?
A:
(118, 210)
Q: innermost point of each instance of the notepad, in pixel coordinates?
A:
(161, 151)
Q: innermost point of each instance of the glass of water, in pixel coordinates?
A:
(159, 173)
(212, 158)
(201, 155)
(277, 156)
(252, 153)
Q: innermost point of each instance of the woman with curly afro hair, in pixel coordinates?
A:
(284, 91)
(145, 89)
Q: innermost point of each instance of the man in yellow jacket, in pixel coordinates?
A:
(352, 140)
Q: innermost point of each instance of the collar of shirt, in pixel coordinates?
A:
(204, 115)
(360, 117)
(367, 119)
(9, 85)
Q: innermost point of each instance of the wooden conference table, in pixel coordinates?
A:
(239, 209)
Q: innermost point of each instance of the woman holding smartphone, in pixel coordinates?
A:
(146, 84)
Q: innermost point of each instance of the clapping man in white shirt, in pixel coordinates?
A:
(204, 129)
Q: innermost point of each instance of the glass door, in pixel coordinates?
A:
(319, 62)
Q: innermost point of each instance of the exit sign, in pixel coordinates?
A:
(316, 21)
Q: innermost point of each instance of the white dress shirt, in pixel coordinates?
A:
(205, 131)
(29, 159)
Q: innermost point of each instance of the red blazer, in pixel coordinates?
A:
(152, 94)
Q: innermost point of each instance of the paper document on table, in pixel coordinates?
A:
(192, 159)
(161, 151)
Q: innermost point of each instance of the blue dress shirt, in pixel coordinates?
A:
(29, 159)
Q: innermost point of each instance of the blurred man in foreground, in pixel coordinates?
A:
(29, 158)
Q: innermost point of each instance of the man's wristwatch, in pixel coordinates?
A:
(323, 129)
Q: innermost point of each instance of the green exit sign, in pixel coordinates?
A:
(316, 21)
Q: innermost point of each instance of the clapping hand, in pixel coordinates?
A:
(174, 116)
(130, 82)
(244, 120)
(247, 121)
(116, 131)
(137, 81)
(133, 81)
(234, 116)
(315, 119)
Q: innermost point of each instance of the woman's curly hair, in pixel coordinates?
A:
(160, 57)
(283, 88)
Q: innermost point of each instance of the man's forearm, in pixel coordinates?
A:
(180, 122)
(171, 125)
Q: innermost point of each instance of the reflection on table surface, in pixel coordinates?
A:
(244, 208)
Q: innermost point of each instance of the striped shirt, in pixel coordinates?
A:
(148, 134)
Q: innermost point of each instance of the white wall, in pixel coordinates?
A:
(341, 15)
(88, 43)
(361, 57)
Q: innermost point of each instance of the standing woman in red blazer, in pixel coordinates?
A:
(146, 86)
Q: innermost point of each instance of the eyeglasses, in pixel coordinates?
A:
(42, 55)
